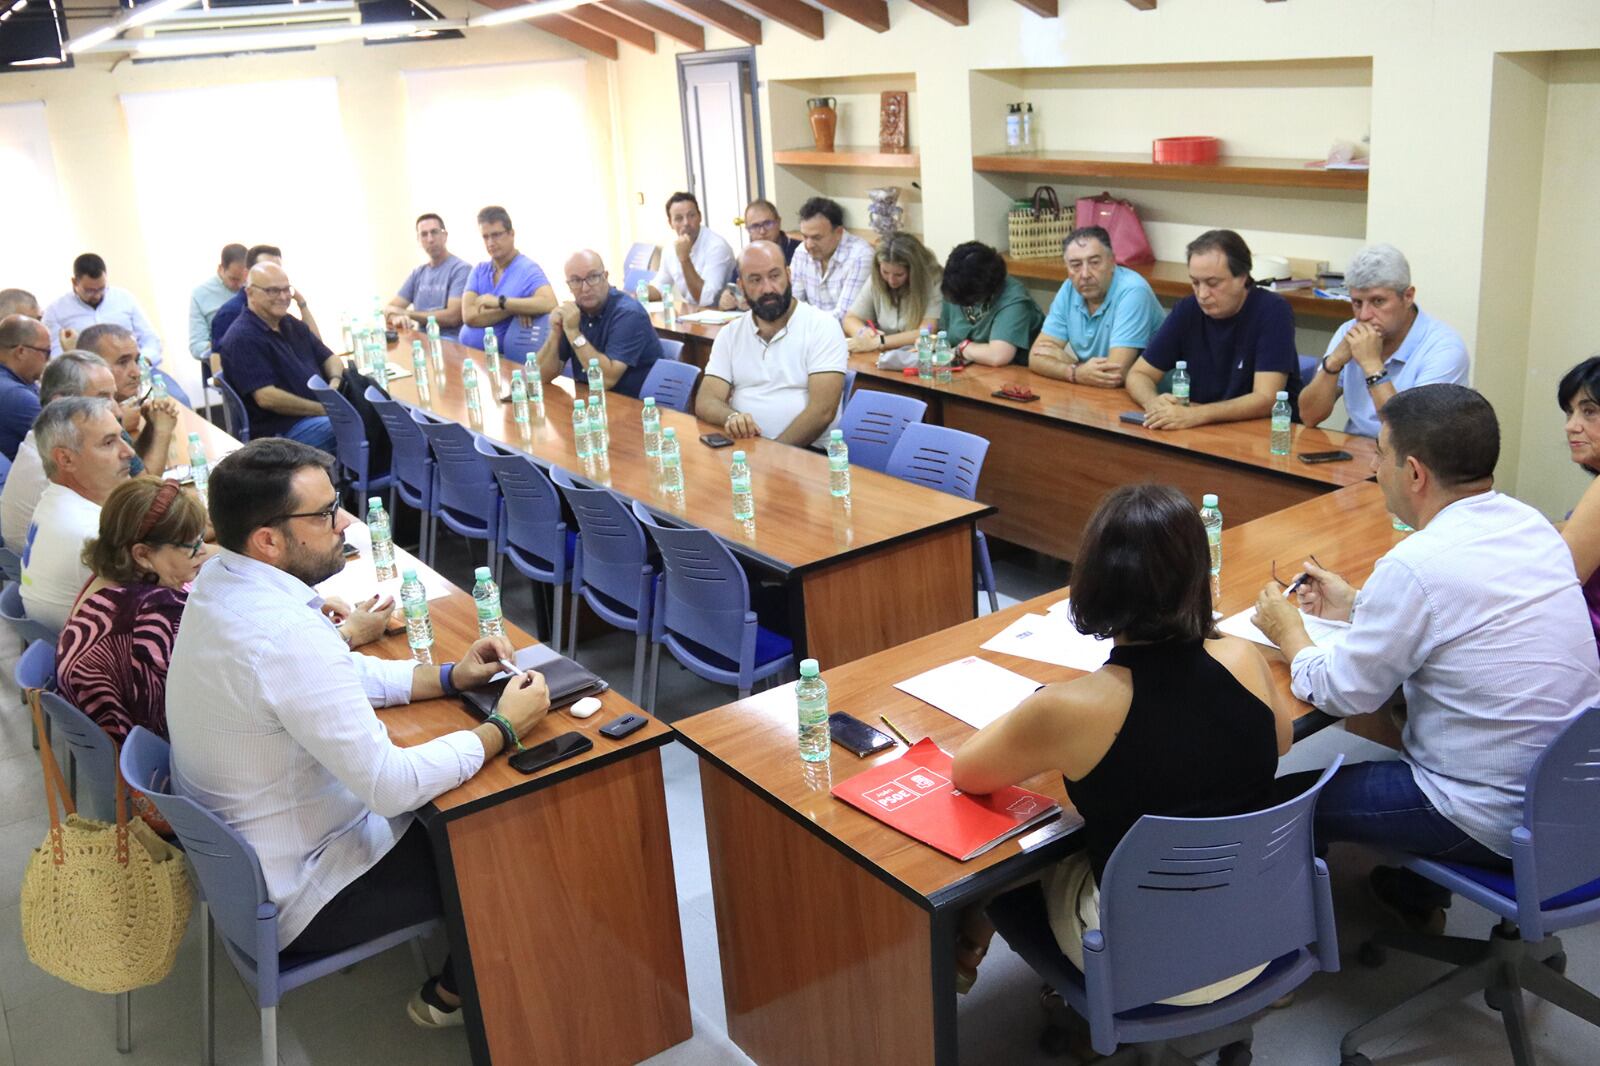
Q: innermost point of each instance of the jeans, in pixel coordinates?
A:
(316, 431)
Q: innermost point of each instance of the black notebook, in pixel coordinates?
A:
(568, 681)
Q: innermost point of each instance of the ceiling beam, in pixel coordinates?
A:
(799, 16)
(1143, 5)
(615, 25)
(1048, 9)
(561, 26)
(652, 17)
(952, 11)
(873, 14)
(721, 16)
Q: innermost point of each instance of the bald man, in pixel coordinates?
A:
(600, 323)
(777, 370)
(267, 357)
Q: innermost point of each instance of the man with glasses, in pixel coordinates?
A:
(435, 287)
(229, 312)
(24, 350)
(699, 263)
(91, 300)
(600, 322)
(508, 294)
(268, 355)
(273, 729)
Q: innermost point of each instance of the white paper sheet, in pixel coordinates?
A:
(358, 581)
(1321, 630)
(972, 689)
(710, 316)
(1053, 639)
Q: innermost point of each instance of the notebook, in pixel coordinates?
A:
(568, 681)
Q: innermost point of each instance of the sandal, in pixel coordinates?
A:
(968, 958)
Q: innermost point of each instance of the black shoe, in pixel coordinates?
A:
(1395, 888)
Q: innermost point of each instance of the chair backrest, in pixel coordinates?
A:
(349, 435)
(1563, 794)
(233, 416)
(848, 391)
(533, 506)
(672, 384)
(36, 666)
(706, 594)
(642, 256)
(1188, 901)
(940, 458)
(633, 275)
(93, 751)
(10, 565)
(671, 350)
(873, 423)
(5, 464)
(1308, 368)
(466, 484)
(174, 390)
(614, 550)
(412, 458)
(12, 610)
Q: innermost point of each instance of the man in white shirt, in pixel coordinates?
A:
(273, 730)
(92, 300)
(84, 455)
(699, 263)
(777, 370)
(75, 373)
(1477, 617)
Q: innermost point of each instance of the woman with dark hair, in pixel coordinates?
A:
(1579, 396)
(1180, 721)
(988, 316)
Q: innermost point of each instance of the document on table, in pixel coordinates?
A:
(710, 316)
(1051, 638)
(971, 689)
(1323, 631)
(358, 581)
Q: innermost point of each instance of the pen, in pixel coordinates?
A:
(896, 729)
(511, 667)
(1295, 585)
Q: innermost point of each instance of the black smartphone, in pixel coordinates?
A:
(351, 551)
(1133, 418)
(852, 734)
(628, 723)
(715, 440)
(536, 758)
(1324, 457)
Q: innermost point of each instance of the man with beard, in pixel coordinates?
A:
(778, 370)
(93, 300)
(272, 726)
(602, 323)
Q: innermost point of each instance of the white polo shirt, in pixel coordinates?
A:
(52, 568)
(771, 379)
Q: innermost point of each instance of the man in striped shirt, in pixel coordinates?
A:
(831, 264)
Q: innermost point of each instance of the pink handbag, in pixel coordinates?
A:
(1118, 218)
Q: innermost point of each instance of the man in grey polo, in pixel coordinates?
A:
(435, 287)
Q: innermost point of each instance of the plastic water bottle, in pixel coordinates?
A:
(943, 356)
(158, 385)
(1211, 518)
(435, 345)
(1180, 382)
(651, 417)
(599, 432)
(671, 463)
(838, 464)
(641, 293)
(1281, 430)
(469, 382)
(347, 333)
(146, 384)
(487, 596)
(419, 627)
(581, 439)
(382, 539)
(534, 382)
(379, 371)
(419, 370)
(597, 384)
(924, 355)
(199, 469)
(744, 501)
(811, 701)
(519, 399)
(669, 306)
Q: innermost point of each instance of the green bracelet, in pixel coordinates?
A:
(502, 723)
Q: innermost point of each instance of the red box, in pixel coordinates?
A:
(1189, 151)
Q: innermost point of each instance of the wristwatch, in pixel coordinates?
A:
(1326, 369)
(580, 341)
(1377, 379)
(502, 301)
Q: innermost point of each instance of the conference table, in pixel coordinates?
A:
(843, 563)
(555, 884)
(836, 932)
(696, 337)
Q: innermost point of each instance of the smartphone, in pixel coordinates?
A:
(1133, 418)
(536, 758)
(715, 440)
(1324, 457)
(852, 734)
(351, 551)
(628, 723)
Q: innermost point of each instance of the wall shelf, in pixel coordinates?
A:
(1172, 280)
(1243, 170)
(863, 157)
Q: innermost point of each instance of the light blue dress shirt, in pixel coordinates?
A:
(1431, 354)
(1127, 318)
(118, 306)
(207, 296)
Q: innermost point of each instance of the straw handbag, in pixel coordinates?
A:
(104, 906)
(1037, 230)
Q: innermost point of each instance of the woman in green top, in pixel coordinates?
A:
(901, 299)
(989, 317)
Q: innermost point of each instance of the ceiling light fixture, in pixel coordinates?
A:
(524, 11)
(147, 12)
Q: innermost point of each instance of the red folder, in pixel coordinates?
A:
(914, 795)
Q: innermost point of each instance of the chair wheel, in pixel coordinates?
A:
(1054, 1041)
(1235, 1054)
(1357, 1059)
(1557, 962)
(1371, 954)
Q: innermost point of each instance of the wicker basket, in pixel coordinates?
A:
(1037, 229)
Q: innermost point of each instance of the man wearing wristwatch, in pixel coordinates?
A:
(1390, 345)
(508, 294)
(601, 323)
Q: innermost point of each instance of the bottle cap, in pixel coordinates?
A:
(836, 434)
(408, 575)
(649, 401)
(194, 438)
(595, 363)
(1208, 500)
(1182, 364)
(670, 432)
(416, 346)
(468, 362)
(809, 668)
(375, 503)
(1282, 395)
(482, 574)
(738, 457)
(594, 402)
(516, 375)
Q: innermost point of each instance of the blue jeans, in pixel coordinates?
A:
(316, 431)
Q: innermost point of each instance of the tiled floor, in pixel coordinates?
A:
(358, 1017)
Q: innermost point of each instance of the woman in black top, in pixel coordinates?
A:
(1180, 722)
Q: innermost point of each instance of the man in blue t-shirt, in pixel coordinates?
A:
(508, 294)
(434, 288)
(601, 323)
(1390, 345)
(1237, 340)
(223, 320)
(24, 350)
(1101, 319)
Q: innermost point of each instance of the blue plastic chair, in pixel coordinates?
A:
(611, 569)
(672, 384)
(11, 610)
(849, 390)
(351, 451)
(1308, 368)
(537, 540)
(174, 390)
(235, 900)
(950, 461)
(639, 265)
(468, 498)
(671, 350)
(36, 668)
(94, 756)
(703, 613)
(1186, 902)
(234, 420)
(873, 422)
(411, 466)
(1554, 884)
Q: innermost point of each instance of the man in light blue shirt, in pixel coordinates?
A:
(508, 293)
(1100, 321)
(90, 301)
(211, 294)
(434, 288)
(1389, 346)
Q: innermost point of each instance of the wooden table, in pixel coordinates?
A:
(844, 562)
(554, 882)
(1050, 460)
(837, 933)
(696, 337)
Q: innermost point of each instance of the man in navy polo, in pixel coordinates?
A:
(267, 356)
(24, 350)
(603, 323)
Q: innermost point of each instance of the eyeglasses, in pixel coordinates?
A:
(592, 279)
(194, 549)
(770, 223)
(1286, 584)
(35, 348)
(277, 292)
(327, 514)
(497, 235)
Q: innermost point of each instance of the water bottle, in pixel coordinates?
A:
(1180, 382)
(519, 399)
(671, 463)
(419, 628)
(158, 385)
(642, 293)
(599, 432)
(669, 306)
(1281, 431)
(379, 370)
(943, 356)
(811, 700)
(435, 345)
(534, 382)
(419, 370)
(199, 469)
(1211, 518)
(347, 334)
(597, 384)
(487, 596)
(491, 349)
(382, 539)
(838, 464)
(924, 355)
(146, 384)
(581, 439)
(469, 382)
(744, 501)
(651, 417)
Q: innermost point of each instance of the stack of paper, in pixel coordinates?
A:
(710, 316)
(1051, 638)
(972, 689)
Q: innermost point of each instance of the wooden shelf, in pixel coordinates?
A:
(864, 157)
(1281, 173)
(1172, 279)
